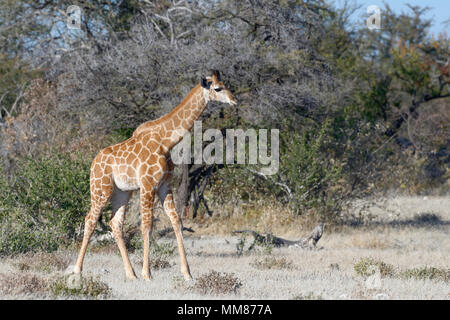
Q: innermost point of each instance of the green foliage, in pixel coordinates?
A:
(368, 266)
(375, 101)
(44, 207)
(5, 191)
(162, 250)
(58, 183)
(20, 233)
(432, 273)
(77, 285)
(14, 77)
(309, 169)
(122, 134)
(159, 253)
(240, 246)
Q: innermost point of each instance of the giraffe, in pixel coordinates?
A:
(143, 163)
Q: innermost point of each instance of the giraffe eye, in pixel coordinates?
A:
(218, 89)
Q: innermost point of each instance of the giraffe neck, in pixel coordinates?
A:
(181, 119)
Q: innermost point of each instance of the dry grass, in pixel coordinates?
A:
(271, 262)
(42, 261)
(308, 296)
(410, 247)
(371, 242)
(23, 283)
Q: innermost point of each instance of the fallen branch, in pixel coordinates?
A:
(269, 239)
(166, 231)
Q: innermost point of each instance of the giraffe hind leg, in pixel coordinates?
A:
(119, 201)
(147, 197)
(166, 197)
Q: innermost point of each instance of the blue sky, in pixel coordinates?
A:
(439, 12)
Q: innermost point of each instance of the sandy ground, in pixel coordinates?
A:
(398, 235)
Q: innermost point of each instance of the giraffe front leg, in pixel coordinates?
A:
(147, 198)
(166, 197)
(97, 204)
(89, 226)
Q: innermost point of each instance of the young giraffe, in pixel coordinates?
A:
(143, 162)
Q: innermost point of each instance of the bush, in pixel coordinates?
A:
(368, 266)
(163, 250)
(76, 285)
(311, 171)
(46, 204)
(217, 283)
(5, 201)
(159, 254)
(431, 273)
(20, 233)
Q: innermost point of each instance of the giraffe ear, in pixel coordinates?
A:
(217, 74)
(205, 83)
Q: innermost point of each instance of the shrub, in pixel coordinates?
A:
(5, 194)
(158, 253)
(423, 273)
(159, 263)
(217, 283)
(368, 266)
(162, 250)
(311, 171)
(76, 285)
(20, 233)
(45, 205)
(59, 190)
(156, 263)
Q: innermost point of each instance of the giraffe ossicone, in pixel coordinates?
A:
(143, 163)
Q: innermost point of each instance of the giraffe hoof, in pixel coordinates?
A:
(74, 281)
(131, 277)
(147, 278)
(146, 275)
(188, 277)
(73, 270)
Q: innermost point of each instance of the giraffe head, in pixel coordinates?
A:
(215, 90)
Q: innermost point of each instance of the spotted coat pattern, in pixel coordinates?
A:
(143, 163)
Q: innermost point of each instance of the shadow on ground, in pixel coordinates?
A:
(421, 220)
